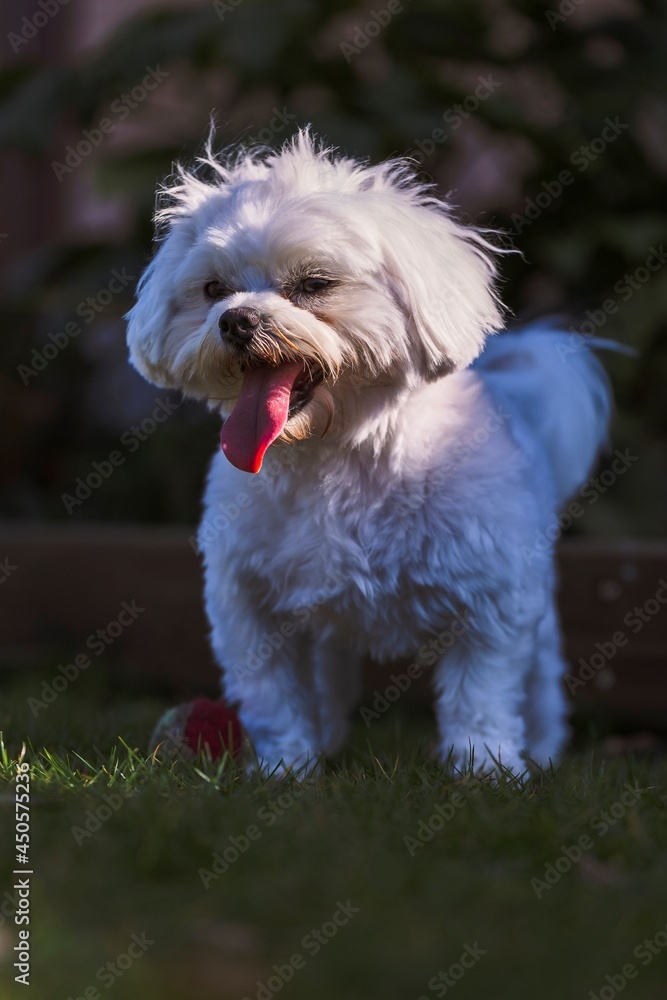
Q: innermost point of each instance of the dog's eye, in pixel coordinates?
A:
(215, 290)
(311, 285)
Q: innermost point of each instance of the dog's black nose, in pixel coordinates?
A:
(239, 325)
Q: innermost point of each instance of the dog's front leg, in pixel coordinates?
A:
(266, 664)
(480, 695)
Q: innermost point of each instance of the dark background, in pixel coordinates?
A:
(558, 76)
(559, 73)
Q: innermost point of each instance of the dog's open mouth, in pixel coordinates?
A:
(310, 376)
(269, 396)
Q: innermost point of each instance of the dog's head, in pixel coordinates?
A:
(297, 280)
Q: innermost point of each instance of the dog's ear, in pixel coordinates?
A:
(149, 318)
(179, 203)
(442, 273)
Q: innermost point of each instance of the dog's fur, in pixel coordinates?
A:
(408, 508)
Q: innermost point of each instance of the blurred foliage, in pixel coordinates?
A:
(560, 79)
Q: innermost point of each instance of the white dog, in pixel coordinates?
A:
(331, 311)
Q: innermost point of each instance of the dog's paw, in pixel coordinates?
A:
(481, 756)
(298, 765)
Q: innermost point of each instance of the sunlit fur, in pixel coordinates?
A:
(383, 514)
(263, 220)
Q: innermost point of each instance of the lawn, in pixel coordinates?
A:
(384, 878)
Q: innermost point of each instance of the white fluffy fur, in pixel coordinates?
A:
(428, 497)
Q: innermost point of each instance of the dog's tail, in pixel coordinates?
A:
(558, 396)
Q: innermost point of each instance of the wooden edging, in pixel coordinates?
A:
(67, 589)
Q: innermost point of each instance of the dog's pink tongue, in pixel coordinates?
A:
(259, 415)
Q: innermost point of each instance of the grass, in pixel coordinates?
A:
(123, 845)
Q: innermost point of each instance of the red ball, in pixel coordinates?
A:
(214, 725)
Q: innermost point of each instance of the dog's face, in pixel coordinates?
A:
(295, 284)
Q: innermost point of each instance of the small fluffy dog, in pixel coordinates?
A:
(331, 311)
